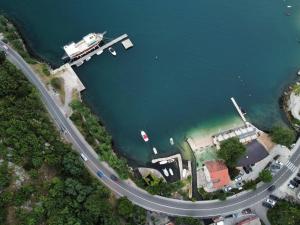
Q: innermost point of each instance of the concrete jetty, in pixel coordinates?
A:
(238, 109)
(98, 51)
(177, 156)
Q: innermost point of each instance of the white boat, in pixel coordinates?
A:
(87, 58)
(112, 51)
(163, 162)
(171, 141)
(144, 136)
(289, 6)
(99, 52)
(154, 150)
(166, 172)
(86, 45)
(79, 63)
(171, 171)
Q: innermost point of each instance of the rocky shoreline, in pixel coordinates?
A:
(285, 103)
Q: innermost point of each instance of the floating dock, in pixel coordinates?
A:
(127, 44)
(98, 51)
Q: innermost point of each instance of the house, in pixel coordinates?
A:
(250, 221)
(216, 173)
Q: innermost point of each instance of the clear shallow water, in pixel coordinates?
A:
(208, 51)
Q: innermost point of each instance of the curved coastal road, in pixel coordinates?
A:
(138, 196)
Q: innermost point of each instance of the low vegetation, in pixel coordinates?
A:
(11, 35)
(56, 189)
(98, 137)
(231, 150)
(220, 194)
(284, 212)
(57, 83)
(187, 221)
(283, 136)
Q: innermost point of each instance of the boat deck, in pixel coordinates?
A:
(88, 56)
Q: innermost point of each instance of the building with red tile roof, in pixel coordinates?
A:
(216, 173)
(250, 221)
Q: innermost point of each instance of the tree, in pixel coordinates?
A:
(187, 221)
(125, 208)
(284, 212)
(265, 176)
(2, 57)
(231, 150)
(283, 136)
(251, 184)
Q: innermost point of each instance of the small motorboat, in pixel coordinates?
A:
(88, 58)
(171, 171)
(144, 136)
(112, 51)
(166, 172)
(154, 150)
(99, 52)
(163, 162)
(171, 141)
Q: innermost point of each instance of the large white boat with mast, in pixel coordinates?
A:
(88, 43)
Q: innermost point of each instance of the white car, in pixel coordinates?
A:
(279, 163)
(238, 178)
(291, 186)
(228, 188)
(270, 201)
(83, 156)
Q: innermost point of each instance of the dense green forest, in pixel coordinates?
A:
(284, 212)
(42, 180)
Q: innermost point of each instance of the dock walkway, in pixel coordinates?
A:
(87, 57)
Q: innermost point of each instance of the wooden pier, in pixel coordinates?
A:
(98, 51)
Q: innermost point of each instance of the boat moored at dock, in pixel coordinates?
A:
(88, 43)
(112, 51)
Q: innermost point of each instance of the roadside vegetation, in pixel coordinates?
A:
(11, 35)
(283, 136)
(265, 176)
(55, 188)
(284, 212)
(97, 136)
(187, 221)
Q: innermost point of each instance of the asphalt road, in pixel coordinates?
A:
(138, 196)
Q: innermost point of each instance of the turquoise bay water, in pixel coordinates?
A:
(189, 58)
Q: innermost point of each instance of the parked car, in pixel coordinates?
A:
(294, 183)
(297, 180)
(114, 178)
(273, 197)
(291, 186)
(276, 157)
(271, 188)
(270, 201)
(279, 163)
(246, 211)
(275, 166)
(228, 188)
(298, 174)
(238, 178)
(247, 169)
(267, 205)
